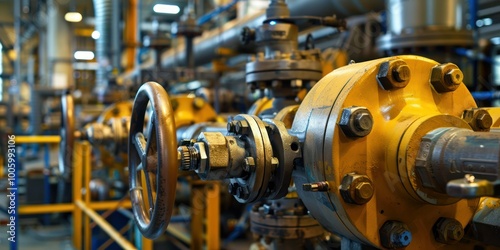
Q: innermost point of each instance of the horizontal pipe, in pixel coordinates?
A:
(486, 95)
(46, 209)
(228, 36)
(105, 205)
(38, 139)
(105, 226)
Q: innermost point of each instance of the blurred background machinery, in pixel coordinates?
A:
(275, 150)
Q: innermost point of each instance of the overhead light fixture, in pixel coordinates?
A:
(84, 55)
(166, 8)
(73, 17)
(96, 34)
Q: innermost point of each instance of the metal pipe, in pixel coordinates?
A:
(451, 153)
(45, 209)
(105, 226)
(103, 22)
(228, 36)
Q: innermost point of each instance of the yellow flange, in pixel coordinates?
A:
(401, 111)
(116, 110)
(189, 110)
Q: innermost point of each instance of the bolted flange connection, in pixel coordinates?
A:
(356, 121)
(478, 119)
(448, 230)
(356, 189)
(393, 74)
(446, 77)
(394, 234)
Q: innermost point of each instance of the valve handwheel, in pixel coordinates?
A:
(153, 153)
(67, 136)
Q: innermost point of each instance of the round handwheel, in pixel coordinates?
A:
(67, 136)
(153, 153)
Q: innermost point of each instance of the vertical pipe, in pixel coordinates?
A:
(115, 35)
(77, 196)
(103, 12)
(213, 215)
(189, 53)
(46, 181)
(472, 22)
(59, 47)
(86, 184)
(17, 63)
(131, 33)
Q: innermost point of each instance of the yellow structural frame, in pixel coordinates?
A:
(82, 207)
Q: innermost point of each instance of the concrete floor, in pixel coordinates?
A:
(38, 238)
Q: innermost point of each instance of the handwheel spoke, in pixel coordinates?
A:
(140, 147)
(150, 192)
(149, 132)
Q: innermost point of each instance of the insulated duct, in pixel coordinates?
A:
(228, 36)
(103, 19)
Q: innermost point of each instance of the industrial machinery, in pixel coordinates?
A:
(372, 145)
(281, 71)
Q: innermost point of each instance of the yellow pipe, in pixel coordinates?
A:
(86, 181)
(77, 194)
(212, 215)
(38, 139)
(105, 226)
(105, 205)
(131, 34)
(43, 209)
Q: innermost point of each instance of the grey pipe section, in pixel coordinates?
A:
(103, 20)
(205, 47)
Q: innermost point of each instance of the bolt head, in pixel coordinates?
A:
(231, 126)
(402, 73)
(356, 121)
(454, 77)
(364, 191)
(356, 189)
(242, 127)
(249, 164)
(393, 74)
(478, 119)
(395, 234)
(446, 77)
(484, 120)
(448, 230)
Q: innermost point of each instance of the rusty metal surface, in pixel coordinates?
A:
(158, 140)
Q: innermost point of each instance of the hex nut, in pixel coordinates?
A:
(356, 121)
(202, 169)
(394, 234)
(478, 119)
(231, 126)
(242, 127)
(218, 153)
(446, 77)
(356, 189)
(393, 74)
(448, 230)
(249, 164)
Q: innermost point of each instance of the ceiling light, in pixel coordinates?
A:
(73, 17)
(84, 55)
(96, 34)
(166, 9)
